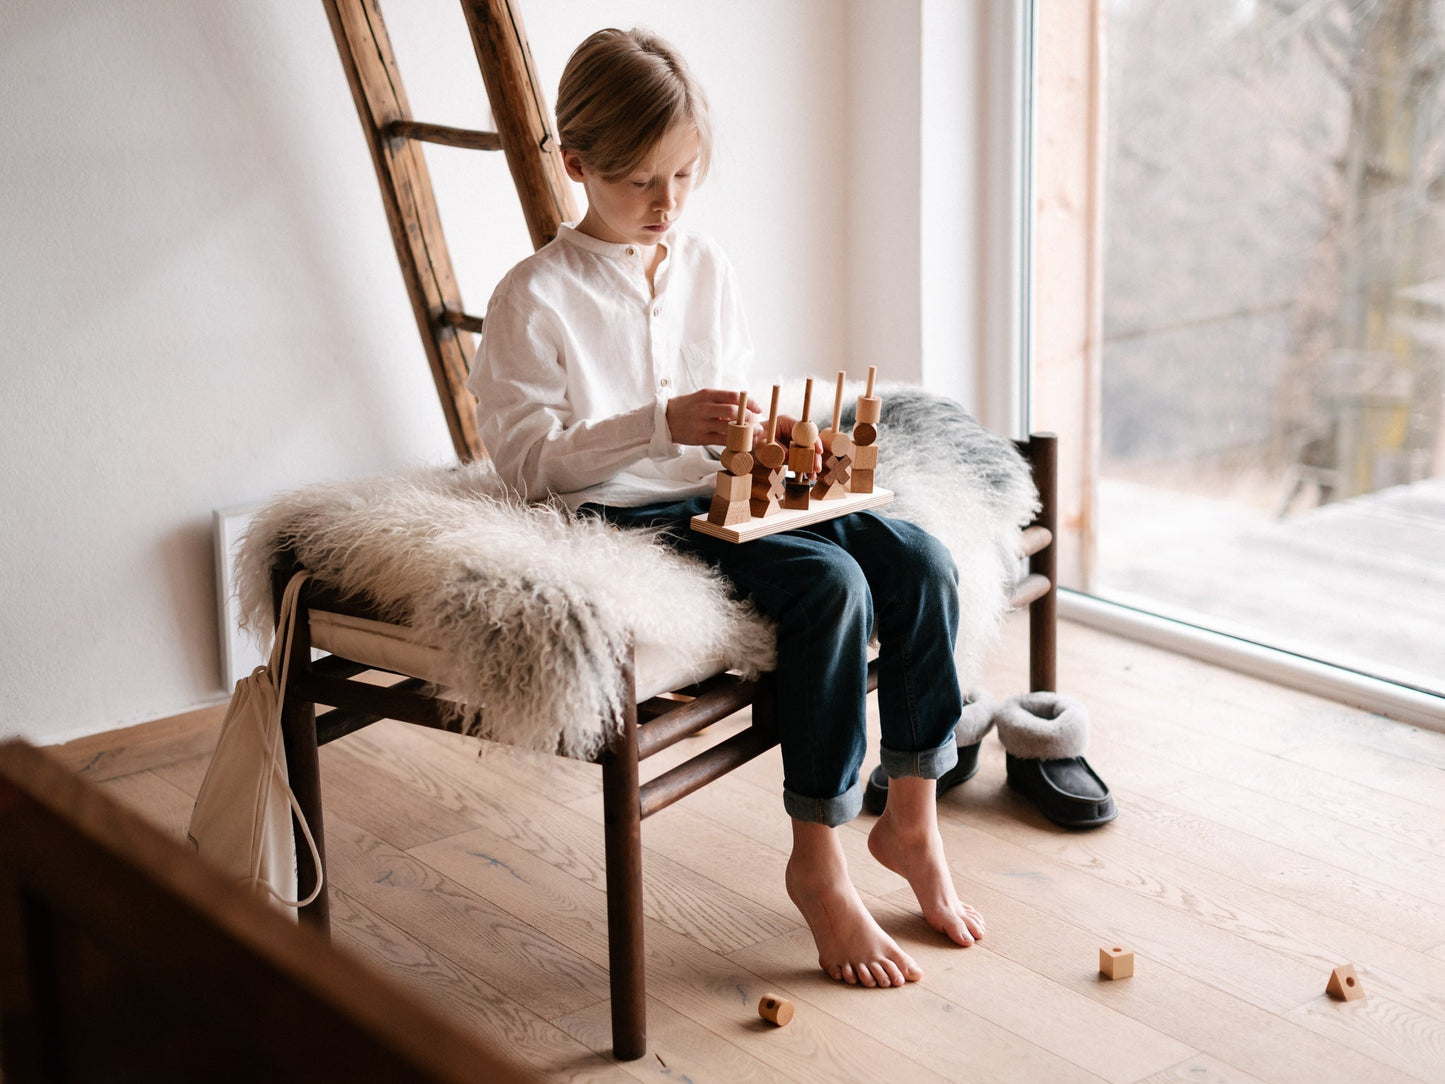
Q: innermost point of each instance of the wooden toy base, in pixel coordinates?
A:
(785, 519)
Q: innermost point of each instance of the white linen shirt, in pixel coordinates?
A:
(578, 360)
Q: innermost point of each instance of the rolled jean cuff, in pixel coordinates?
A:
(829, 811)
(929, 764)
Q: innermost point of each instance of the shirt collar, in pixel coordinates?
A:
(569, 232)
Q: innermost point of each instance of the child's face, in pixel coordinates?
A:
(640, 208)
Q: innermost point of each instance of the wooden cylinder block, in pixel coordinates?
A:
(775, 1010)
(864, 433)
(737, 462)
(740, 437)
(771, 455)
(840, 445)
(870, 409)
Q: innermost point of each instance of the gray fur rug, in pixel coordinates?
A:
(537, 605)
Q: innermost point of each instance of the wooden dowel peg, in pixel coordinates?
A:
(872, 375)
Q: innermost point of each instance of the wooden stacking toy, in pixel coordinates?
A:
(730, 503)
(837, 469)
(865, 437)
(769, 459)
(801, 455)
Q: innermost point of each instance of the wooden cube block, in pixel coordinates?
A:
(795, 494)
(800, 458)
(726, 513)
(1116, 962)
(1344, 984)
(865, 456)
(775, 1010)
(734, 487)
(861, 482)
(863, 434)
(870, 409)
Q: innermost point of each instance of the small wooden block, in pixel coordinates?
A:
(726, 513)
(737, 462)
(829, 491)
(865, 433)
(1115, 962)
(771, 455)
(865, 456)
(805, 434)
(870, 409)
(1344, 984)
(734, 487)
(775, 1010)
(800, 458)
(795, 494)
(762, 507)
(740, 437)
(861, 482)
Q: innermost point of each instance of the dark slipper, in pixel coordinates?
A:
(1067, 791)
(875, 793)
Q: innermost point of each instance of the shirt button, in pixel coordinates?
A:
(657, 310)
(631, 251)
(664, 382)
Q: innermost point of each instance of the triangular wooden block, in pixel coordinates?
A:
(1344, 984)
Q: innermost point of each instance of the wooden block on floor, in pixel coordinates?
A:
(775, 1010)
(1344, 984)
(1116, 962)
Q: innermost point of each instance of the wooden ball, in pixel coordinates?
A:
(805, 433)
(775, 1010)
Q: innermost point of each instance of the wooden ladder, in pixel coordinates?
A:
(524, 133)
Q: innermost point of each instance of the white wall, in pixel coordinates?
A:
(201, 305)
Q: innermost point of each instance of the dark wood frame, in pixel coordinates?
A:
(647, 728)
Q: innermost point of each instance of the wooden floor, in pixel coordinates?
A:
(1264, 837)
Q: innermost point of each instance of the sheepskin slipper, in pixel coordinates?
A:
(973, 725)
(1044, 735)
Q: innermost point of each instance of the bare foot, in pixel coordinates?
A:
(852, 947)
(906, 840)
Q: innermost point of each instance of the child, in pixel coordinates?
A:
(609, 364)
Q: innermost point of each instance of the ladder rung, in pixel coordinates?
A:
(465, 321)
(465, 138)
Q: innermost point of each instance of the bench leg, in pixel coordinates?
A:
(622, 813)
(303, 770)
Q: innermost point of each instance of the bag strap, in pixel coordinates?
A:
(281, 658)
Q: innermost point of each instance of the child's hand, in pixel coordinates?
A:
(702, 417)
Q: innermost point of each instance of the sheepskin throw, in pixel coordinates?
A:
(536, 606)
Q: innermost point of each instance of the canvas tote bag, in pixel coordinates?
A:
(242, 818)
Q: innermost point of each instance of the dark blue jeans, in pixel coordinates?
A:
(826, 586)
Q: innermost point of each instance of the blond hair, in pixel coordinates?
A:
(621, 92)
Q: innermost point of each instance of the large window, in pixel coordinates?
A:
(1268, 454)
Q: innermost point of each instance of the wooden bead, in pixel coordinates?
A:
(737, 462)
(1344, 984)
(734, 487)
(775, 1010)
(1116, 962)
(864, 434)
(771, 455)
(805, 433)
(865, 456)
(740, 437)
(870, 409)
